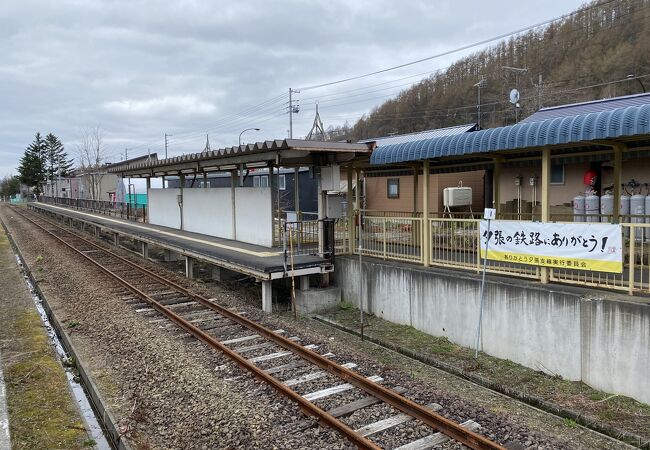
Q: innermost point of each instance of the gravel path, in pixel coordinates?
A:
(165, 388)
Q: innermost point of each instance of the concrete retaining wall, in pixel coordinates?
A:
(604, 343)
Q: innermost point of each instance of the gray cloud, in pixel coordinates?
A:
(141, 68)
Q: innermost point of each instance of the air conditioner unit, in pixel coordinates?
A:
(457, 196)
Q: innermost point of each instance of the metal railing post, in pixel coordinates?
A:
(478, 247)
(632, 260)
(384, 237)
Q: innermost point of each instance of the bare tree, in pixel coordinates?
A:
(92, 155)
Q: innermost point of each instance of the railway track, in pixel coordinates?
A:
(280, 361)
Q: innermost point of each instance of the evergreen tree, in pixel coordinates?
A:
(56, 159)
(32, 165)
(9, 185)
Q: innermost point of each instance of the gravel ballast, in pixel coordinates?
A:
(167, 394)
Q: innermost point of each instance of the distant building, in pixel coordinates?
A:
(82, 184)
(394, 189)
(260, 178)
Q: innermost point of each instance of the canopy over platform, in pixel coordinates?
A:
(285, 153)
(592, 132)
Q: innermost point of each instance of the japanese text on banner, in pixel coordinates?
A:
(586, 246)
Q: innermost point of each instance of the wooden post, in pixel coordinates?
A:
(426, 231)
(350, 213)
(546, 199)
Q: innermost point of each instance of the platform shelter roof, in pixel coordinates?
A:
(285, 153)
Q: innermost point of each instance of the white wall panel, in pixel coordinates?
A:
(208, 211)
(163, 207)
(254, 215)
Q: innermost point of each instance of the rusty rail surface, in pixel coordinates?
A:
(437, 422)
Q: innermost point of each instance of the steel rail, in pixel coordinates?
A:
(307, 406)
(448, 427)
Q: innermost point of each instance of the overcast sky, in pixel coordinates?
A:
(142, 68)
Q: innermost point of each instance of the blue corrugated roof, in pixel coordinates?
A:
(420, 135)
(575, 109)
(629, 121)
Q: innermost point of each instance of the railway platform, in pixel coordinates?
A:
(263, 263)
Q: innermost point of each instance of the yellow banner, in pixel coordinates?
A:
(554, 261)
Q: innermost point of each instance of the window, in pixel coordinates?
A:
(261, 181)
(204, 184)
(557, 173)
(393, 187)
(282, 183)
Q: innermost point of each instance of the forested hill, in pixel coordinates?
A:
(578, 57)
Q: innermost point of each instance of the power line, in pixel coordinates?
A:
(341, 94)
(459, 49)
(413, 114)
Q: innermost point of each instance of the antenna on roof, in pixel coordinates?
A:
(514, 99)
(482, 82)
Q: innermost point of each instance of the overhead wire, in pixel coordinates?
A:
(459, 49)
(258, 112)
(417, 113)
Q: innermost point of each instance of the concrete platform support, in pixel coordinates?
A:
(145, 250)
(116, 239)
(189, 267)
(312, 301)
(304, 282)
(98, 232)
(267, 297)
(170, 256)
(221, 274)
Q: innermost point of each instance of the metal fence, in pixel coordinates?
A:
(454, 243)
(130, 211)
(392, 237)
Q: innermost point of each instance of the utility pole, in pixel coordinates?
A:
(292, 110)
(166, 136)
(126, 154)
(481, 83)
